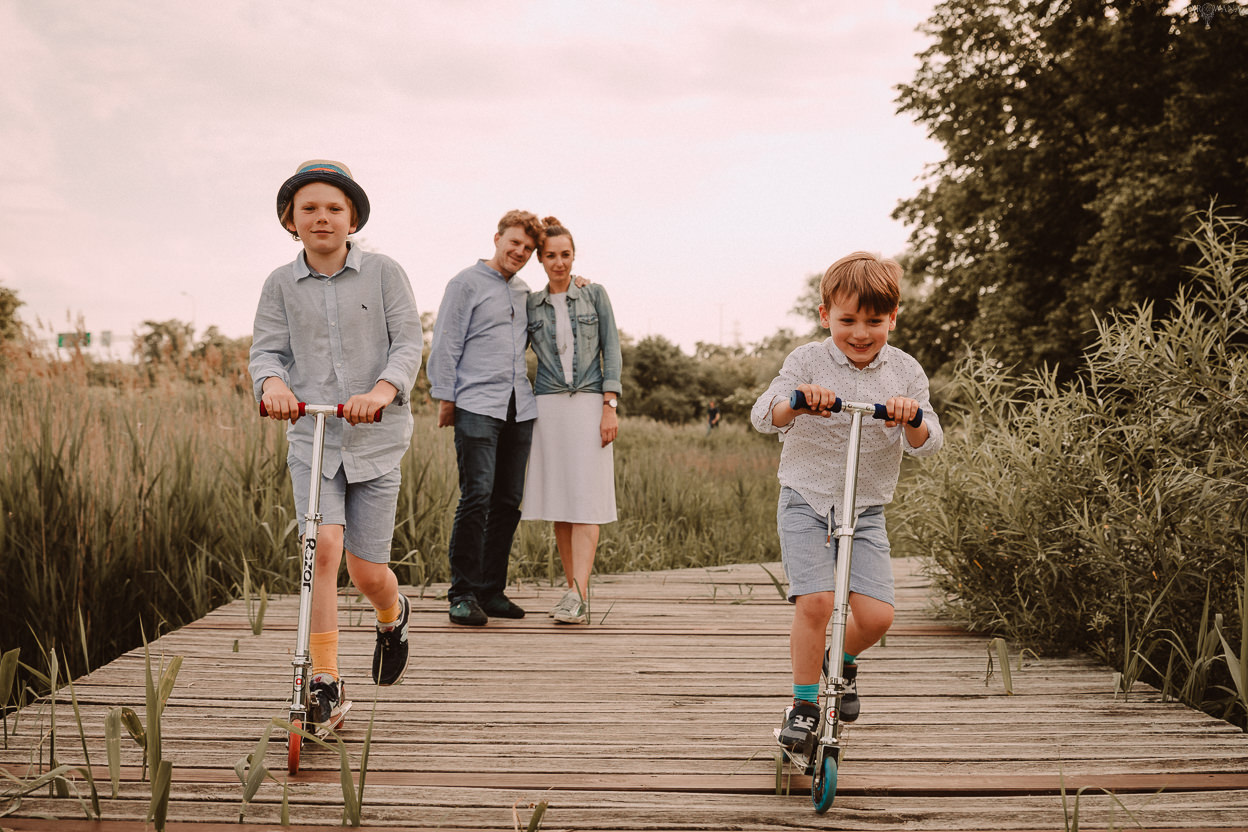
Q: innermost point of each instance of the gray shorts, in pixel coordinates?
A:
(365, 510)
(811, 566)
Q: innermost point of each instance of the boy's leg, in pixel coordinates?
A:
(476, 444)
(809, 635)
(370, 511)
(325, 583)
(325, 689)
(870, 621)
(380, 586)
(806, 644)
(512, 457)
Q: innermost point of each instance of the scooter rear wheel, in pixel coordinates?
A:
(823, 785)
(294, 743)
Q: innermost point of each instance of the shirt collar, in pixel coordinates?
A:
(544, 295)
(302, 269)
(491, 271)
(840, 358)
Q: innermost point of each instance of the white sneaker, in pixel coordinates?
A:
(571, 608)
(569, 598)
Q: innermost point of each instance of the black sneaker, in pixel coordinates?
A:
(390, 654)
(469, 613)
(851, 707)
(327, 704)
(800, 722)
(500, 606)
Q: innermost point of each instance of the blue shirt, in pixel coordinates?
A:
(332, 337)
(477, 358)
(596, 361)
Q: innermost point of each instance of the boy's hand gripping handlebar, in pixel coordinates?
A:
(797, 401)
(327, 409)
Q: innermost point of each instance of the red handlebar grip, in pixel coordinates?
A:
(264, 411)
(376, 416)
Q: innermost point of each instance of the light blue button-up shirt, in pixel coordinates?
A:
(332, 337)
(479, 339)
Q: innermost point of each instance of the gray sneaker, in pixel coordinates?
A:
(567, 602)
(571, 608)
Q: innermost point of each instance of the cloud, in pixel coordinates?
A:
(704, 152)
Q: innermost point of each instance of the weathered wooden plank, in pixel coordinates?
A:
(662, 722)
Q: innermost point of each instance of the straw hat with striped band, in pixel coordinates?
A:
(324, 170)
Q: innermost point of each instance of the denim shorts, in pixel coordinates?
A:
(810, 565)
(365, 510)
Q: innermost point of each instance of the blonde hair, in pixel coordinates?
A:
(554, 228)
(874, 280)
(526, 221)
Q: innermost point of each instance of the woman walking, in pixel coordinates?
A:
(571, 476)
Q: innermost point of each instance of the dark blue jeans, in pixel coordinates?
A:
(492, 455)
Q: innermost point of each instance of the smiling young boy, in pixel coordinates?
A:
(860, 295)
(339, 324)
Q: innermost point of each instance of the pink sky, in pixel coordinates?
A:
(707, 154)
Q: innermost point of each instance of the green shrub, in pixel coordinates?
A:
(1098, 514)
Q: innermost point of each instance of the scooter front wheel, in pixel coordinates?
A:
(823, 785)
(294, 744)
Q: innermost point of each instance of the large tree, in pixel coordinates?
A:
(1079, 136)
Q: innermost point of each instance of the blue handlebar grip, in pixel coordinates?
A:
(797, 401)
(881, 413)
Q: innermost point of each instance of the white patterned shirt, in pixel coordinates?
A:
(812, 462)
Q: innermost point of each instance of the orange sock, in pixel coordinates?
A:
(323, 650)
(391, 615)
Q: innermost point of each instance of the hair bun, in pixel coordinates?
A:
(551, 221)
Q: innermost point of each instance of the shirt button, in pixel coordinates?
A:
(333, 323)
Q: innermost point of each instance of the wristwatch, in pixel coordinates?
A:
(611, 403)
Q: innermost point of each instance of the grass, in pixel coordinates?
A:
(124, 511)
(1108, 514)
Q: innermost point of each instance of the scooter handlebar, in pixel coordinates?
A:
(328, 409)
(797, 401)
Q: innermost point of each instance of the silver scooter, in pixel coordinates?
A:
(822, 762)
(302, 660)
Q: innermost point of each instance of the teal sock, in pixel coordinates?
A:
(850, 659)
(809, 693)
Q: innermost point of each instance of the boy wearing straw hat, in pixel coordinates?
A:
(339, 324)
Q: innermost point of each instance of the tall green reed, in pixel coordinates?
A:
(123, 510)
(1104, 514)
(125, 502)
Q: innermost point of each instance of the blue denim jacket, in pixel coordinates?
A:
(595, 342)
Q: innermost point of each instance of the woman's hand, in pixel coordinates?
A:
(610, 426)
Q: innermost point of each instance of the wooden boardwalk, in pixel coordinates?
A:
(658, 717)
